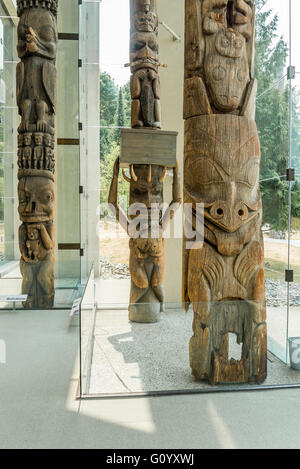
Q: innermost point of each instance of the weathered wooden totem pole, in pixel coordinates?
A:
(36, 99)
(147, 262)
(224, 278)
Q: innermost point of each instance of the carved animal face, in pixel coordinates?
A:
(144, 50)
(144, 192)
(226, 69)
(145, 21)
(222, 170)
(37, 33)
(36, 199)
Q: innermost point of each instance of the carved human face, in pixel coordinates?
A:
(38, 138)
(145, 21)
(144, 49)
(222, 170)
(37, 33)
(226, 69)
(27, 139)
(20, 140)
(47, 140)
(36, 199)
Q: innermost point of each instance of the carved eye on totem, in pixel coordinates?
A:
(47, 197)
(137, 46)
(153, 45)
(139, 192)
(23, 198)
(225, 42)
(218, 209)
(238, 44)
(219, 73)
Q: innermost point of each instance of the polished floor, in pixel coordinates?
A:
(38, 408)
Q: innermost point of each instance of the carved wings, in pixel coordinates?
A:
(20, 84)
(50, 83)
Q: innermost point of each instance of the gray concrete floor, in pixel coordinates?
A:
(130, 357)
(38, 408)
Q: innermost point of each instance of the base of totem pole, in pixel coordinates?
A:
(144, 313)
(147, 312)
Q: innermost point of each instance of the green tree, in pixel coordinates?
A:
(272, 116)
(115, 111)
(120, 115)
(108, 108)
(127, 104)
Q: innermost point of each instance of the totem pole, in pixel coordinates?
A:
(224, 278)
(36, 99)
(147, 264)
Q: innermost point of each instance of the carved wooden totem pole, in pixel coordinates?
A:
(147, 262)
(224, 278)
(36, 99)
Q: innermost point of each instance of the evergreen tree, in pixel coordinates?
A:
(108, 108)
(120, 116)
(272, 116)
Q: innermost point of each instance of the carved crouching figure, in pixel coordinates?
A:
(144, 61)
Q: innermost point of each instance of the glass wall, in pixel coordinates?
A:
(67, 217)
(125, 357)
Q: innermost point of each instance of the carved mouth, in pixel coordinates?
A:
(35, 218)
(234, 317)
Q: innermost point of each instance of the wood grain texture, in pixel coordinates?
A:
(223, 276)
(36, 99)
(139, 146)
(148, 152)
(144, 63)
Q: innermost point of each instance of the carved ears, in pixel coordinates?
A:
(214, 14)
(235, 14)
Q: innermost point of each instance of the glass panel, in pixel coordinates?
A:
(272, 117)
(67, 20)
(67, 92)
(67, 265)
(129, 357)
(89, 136)
(87, 321)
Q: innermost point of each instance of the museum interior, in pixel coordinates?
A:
(194, 111)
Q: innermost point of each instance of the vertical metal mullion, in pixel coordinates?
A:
(289, 182)
(80, 198)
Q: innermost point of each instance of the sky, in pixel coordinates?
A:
(114, 34)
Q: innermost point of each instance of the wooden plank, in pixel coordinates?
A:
(156, 147)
